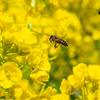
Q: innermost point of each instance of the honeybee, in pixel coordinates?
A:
(56, 40)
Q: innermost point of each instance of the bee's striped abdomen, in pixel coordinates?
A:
(63, 42)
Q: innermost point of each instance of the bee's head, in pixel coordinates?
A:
(51, 37)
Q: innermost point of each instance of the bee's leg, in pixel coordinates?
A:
(55, 45)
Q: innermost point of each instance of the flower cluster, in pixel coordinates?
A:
(25, 28)
(25, 67)
(87, 80)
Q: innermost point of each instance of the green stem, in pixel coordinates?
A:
(85, 91)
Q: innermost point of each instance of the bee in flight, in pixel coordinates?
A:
(56, 40)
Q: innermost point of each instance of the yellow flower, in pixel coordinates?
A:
(45, 62)
(22, 90)
(60, 97)
(60, 14)
(45, 66)
(94, 72)
(40, 76)
(35, 56)
(81, 70)
(17, 92)
(39, 59)
(44, 45)
(12, 71)
(88, 39)
(76, 82)
(44, 41)
(6, 83)
(80, 73)
(25, 39)
(96, 34)
(2, 74)
(6, 22)
(90, 96)
(48, 93)
(54, 2)
(9, 73)
(8, 36)
(65, 87)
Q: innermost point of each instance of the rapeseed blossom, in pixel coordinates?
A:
(86, 80)
(10, 73)
(30, 66)
(65, 87)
